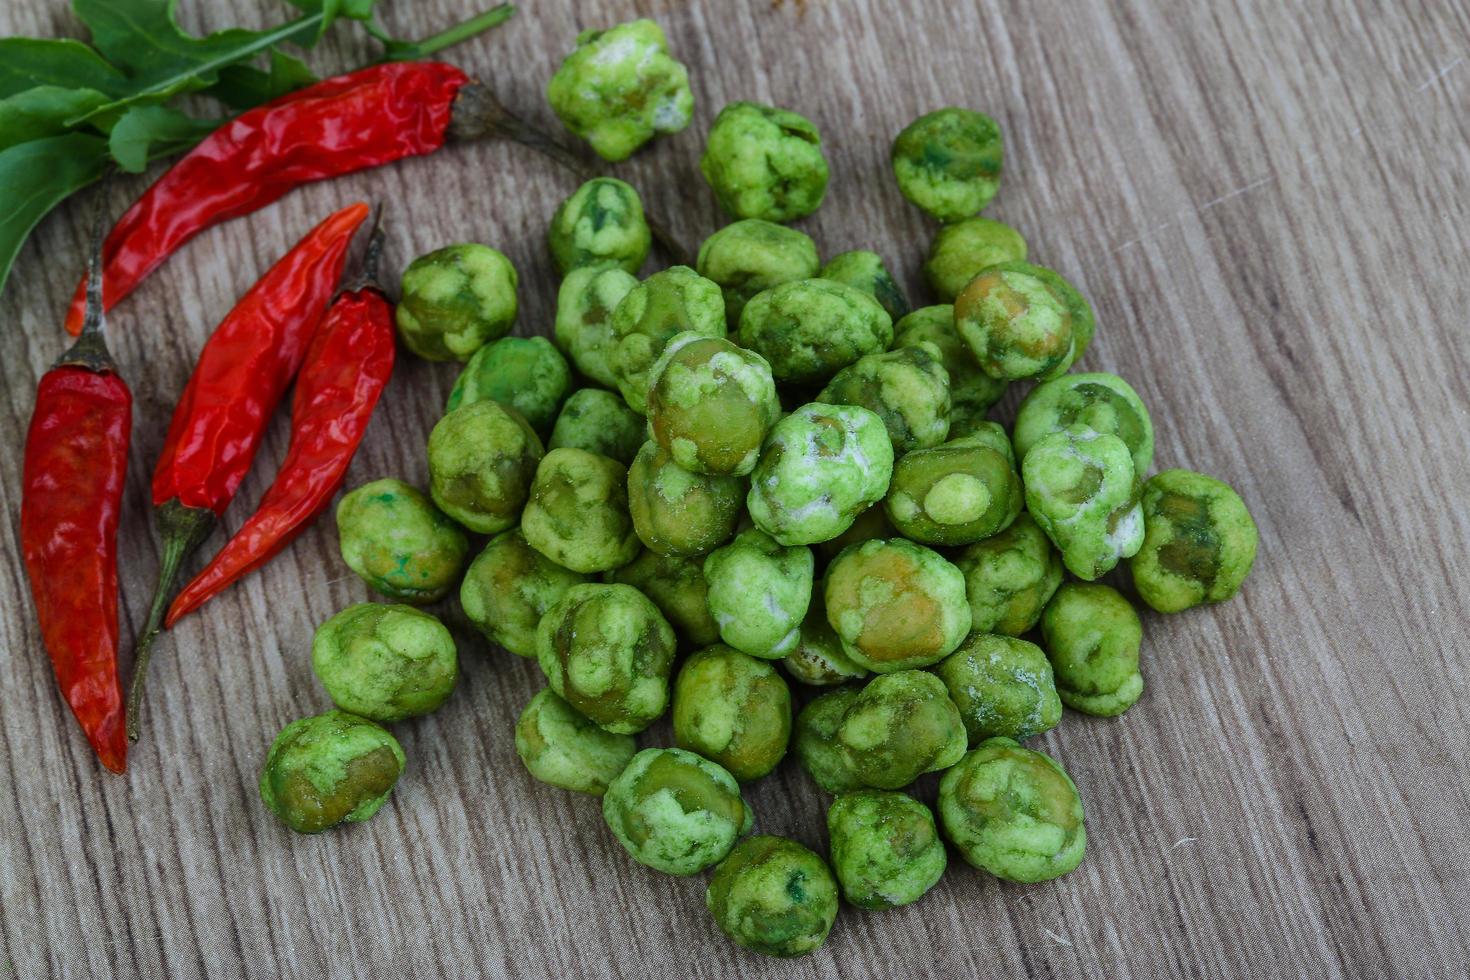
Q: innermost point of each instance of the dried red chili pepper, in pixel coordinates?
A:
(337, 126)
(76, 460)
(239, 380)
(346, 368)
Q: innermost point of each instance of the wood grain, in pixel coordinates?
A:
(1266, 202)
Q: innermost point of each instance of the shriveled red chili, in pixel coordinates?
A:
(76, 458)
(346, 368)
(240, 378)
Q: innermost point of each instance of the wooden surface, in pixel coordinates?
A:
(1267, 204)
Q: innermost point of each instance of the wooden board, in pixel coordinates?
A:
(1266, 202)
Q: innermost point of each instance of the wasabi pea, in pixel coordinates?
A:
(710, 404)
(871, 523)
(948, 162)
(1081, 489)
(566, 750)
(1018, 322)
(675, 812)
(523, 373)
(758, 593)
(400, 544)
(1009, 578)
(818, 659)
(774, 897)
(907, 388)
(620, 88)
(764, 162)
(1013, 812)
(482, 457)
(734, 710)
(814, 740)
(329, 769)
(584, 308)
(750, 256)
(667, 303)
(992, 435)
(608, 652)
(577, 514)
(599, 422)
(385, 663)
(822, 465)
(676, 512)
(456, 300)
(865, 271)
(1102, 402)
(601, 225)
(900, 726)
(954, 494)
(677, 587)
(960, 251)
(886, 850)
(972, 392)
(1199, 542)
(1002, 686)
(1092, 636)
(508, 588)
(896, 605)
(809, 329)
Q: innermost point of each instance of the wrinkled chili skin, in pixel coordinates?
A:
(75, 464)
(337, 126)
(346, 369)
(245, 367)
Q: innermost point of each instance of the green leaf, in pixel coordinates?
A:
(146, 132)
(39, 175)
(416, 50)
(27, 62)
(243, 86)
(43, 111)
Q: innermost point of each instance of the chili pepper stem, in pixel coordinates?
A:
(182, 529)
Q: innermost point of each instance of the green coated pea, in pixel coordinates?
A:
(620, 88)
(1018, 323)
(677, 587)
(900, 726)
(608, 651)
(676, 512)
(710, 404)
(815, 742)
(907, 388)
(871, 523)
(577, 514)
(1102, 402)
(732, 709)
(865, 270)
(665, 304)
(329, 769)
(972, 392)
(821, 467)
(992, 435)
(482, 457)
(948, 162)
(523, 373)
(818, 659)
(960, 251)
(508, 588)
(1010, 577)
(385, 663)
(1199, 541)
(1092, 636)
(1013, 812)
(896, 605)
(774, 897)
(1002, 686)
(676, 812)
(599, 422)
(602, 225)
(885, 850)
(954, 494)
(764, 162)
(750, 256)
(809, 329)
(400, 544)
(561, 747)
(584, 308)
(1081, 489)
(456, 300)
(758, 593)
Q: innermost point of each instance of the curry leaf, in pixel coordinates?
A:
(43, 111)
(243, 86)
(146, 132)
(37, 176)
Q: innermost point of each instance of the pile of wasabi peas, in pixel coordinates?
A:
(728, 487)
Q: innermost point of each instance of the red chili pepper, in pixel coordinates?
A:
(346, 369)
(71, 494)
(241, 377)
